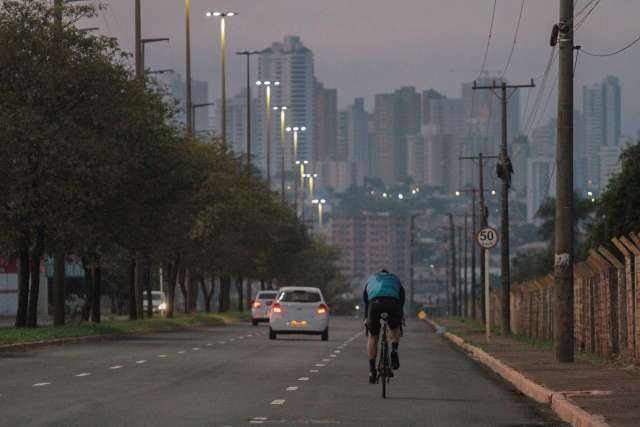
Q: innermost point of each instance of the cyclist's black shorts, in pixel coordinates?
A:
(377, 306)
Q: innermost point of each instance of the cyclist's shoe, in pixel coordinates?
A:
(395, 361)
(373, 376)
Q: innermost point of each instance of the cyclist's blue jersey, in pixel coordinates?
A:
(383, 285)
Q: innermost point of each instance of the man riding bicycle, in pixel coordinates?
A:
(383, 293)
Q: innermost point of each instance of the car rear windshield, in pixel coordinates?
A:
(299, 296)
(267, 295)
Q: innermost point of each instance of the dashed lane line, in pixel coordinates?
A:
(83, 374)
(303, 379)
(320, 365)
(162, 356)
(113, 368)
(41, 384)
(313, 371)
(140, 362)
(278, 402)
(292, 388)
(195, 348)
(181, 352)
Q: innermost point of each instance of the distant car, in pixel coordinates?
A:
(261, 306)
(158, 302)
(299, 310)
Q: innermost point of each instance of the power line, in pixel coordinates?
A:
(615, 52)
(586, 16)
(515, 39)
(486, 50)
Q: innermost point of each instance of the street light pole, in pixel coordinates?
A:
(283, 118)
(295, 131)
(267, 84)
(223, 77)
(188, 101)
(138, 42)
(248, 55)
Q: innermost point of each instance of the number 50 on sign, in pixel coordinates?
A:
(487, 238)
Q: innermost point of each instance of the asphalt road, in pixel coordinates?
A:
(235, 376)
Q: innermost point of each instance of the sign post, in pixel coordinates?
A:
(487, 239)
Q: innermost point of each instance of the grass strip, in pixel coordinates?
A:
(11, 335)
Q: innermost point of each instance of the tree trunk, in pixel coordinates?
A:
(183, 289)
(88, 283)
(139, 294)
(248, 294)
(192, 291)
(172, 278)
(262, 285)
(133, 315)
(239, 287)
(207, 292)
(147, 287)
(36, 257)
(58, 289)
(225, 294)
(23, 287)
(97, 291)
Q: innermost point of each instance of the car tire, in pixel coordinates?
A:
(272, 334)
(254, 322)
(325, 335)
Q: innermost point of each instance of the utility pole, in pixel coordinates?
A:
(138, 46)
(484, 218)
(453, 302)
(412, 260)
(563, 266)
(474, 228)
(459, 291)
(188, 101)
(504, 170)
(465, 293)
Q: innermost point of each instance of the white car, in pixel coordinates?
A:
(299, 310)
(261, 306)
(158, 302)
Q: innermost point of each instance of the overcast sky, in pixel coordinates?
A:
(364, 47)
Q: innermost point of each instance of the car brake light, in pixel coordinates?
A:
(256, 304)
(276, 308)
(323, 309)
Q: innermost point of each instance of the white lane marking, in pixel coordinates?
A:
(140, 362)
(116, 367)
(40, 384)
(320, 364)
(232, 339)
(260, 418)
(162, 355)
(83, 374)
(292, 388)
(332, 355)
(314, 371)
(336, 351)
(326, 360)
(256, 422)
(241, 338)
(221, 342)
(278, 402)
(209, 344)
(303, 379)
(195, 348)
(181, 352)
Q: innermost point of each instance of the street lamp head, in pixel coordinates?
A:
(267, 83)
(493, 192)
(306, 162)
(458, 193)
(298, 162)
(220, 14)
(296, 128)
(315, 201)
(283, 107)
(323, 201)
(259, 83)
(589, 193)
(276, 83)
(400, 196)
(288, 129)
(303, 128)
(315, 175)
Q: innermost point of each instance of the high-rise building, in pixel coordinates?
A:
(343, 144)
(609, 163)
(520, 154)
(237, 122)
(541, 184)
(416, 160)
(369, 242)
(290, 63)
(602, 118)
(176, 86)
(427, 96)
(359, 151)
(396, 116)
(326, 123)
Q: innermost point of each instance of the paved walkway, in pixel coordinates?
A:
(608, 389)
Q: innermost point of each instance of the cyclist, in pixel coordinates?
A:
(383, 293)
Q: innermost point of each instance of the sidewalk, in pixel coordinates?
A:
(598, 387)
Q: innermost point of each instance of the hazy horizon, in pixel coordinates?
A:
(362, 47)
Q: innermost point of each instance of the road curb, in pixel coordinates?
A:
(559, 403)
(110, 336)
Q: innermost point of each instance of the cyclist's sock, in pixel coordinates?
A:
(372, 364)
(394, 346)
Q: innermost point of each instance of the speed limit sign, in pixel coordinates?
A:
(487, 238)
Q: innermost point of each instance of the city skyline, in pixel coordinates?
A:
(363, 42)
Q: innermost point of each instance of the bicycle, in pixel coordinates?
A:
(384, 363)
